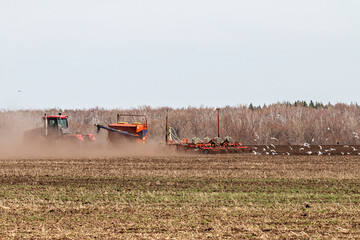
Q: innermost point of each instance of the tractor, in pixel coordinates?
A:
(55, 130)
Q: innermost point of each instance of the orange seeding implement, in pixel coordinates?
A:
(207, 145)
(120, 131)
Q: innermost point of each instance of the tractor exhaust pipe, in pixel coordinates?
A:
(46, 125)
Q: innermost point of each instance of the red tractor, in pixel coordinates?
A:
(55, 129)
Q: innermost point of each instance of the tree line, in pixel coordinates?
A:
(279, 123)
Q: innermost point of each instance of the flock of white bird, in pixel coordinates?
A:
(305, 149)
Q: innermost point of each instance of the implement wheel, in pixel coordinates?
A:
(206, 151)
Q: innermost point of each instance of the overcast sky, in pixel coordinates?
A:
(127, 53)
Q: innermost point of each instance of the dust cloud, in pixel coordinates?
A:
(13, 146)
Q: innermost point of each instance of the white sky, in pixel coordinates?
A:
(126, 53)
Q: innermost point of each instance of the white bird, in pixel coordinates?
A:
(346, 146)
(328, 128)
(301, 149)
(256, 135)
(272, 145)
(306, 145)
(342, 153)
(320, 147)
(255, 147)
(354, 149)
(273, 138)
(332, 149)
(327, 139)
(320, 153)
(290, 148)
(267, 146)
(287, 153)
(309, 152)
(312, 140)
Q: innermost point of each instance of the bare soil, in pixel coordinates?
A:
(228, 196)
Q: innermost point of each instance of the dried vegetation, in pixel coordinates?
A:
(184, 196)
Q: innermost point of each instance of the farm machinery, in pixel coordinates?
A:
(206, 146)
(55, 130)
(122, 131)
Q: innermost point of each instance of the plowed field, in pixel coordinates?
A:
(187, 196)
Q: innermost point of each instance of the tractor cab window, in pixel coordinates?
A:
(51, 122)
(63, 123)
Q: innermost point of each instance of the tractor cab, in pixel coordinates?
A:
(56, 124)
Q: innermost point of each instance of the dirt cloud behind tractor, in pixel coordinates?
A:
(17, 150)
(52, 138)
